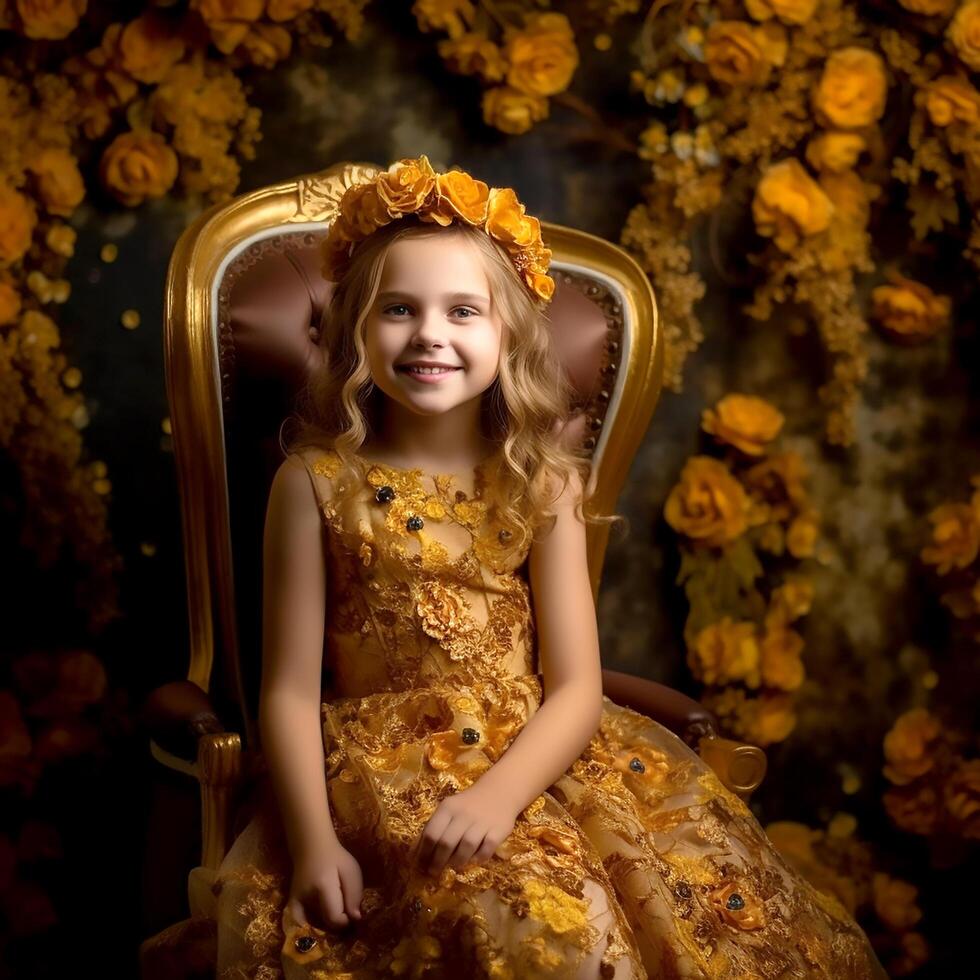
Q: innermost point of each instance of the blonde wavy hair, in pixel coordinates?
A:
(522, 410)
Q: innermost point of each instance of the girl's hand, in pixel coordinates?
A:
(467, 825)
(326, 888)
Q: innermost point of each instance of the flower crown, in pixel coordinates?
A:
(413, 187)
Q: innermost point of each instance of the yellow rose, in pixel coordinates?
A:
(789, 204)
(913, 808)
(724, 652)
(149, 48)
(790, 11)
(451, 16)
(801, 536)
(512, 111)
(60, 185)
(910, 746)
(789, 602)
(507, 221)
(406, 185)
(267, 44)
(743, 421)
(137, 165)
(772, 720)
(9, 304)
(229, 20)
(734, 53)
(778, 479)
(458, 195)
(951, 99)
(17, 221)
(50, 20)
(835, 151)
(851, 196)
(955, 537)
(910, 309)
(894, 902)
(964, 32)
(473, 54)
(708, 504)
(931, 8)
(737, 906)
(361, 212)
(542, 56)
(962, 795)
(280, 10)
(780, 659)
(852, 90)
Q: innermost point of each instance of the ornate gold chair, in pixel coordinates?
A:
(244, 298)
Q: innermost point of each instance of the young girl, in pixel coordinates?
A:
(460, 800)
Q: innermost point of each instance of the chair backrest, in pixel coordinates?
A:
(244, 299)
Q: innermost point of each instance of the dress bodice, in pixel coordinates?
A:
(426, 580)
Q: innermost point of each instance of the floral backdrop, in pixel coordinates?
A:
(799, 178)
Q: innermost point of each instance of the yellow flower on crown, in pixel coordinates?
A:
(411, 186)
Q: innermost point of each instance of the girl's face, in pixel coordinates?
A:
(433, 305)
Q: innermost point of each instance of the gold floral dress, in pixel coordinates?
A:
(636, 863)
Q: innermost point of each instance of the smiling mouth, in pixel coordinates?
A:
(427, 372)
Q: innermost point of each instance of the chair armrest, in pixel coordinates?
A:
(176, 715)
(675, 711)
(740, 767)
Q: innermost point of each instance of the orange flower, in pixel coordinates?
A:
(834, 151)
(910, 309)
(473, 54)
(955, 537)
(507, 221)
(894, 902)
(789, 11)
(280, 10)
(743, 421)
(60, 185)
(778, 479)
(459, 195)
(735, 54)
(725, 651)
(137, 165)
(542, 55)
(851, 196)
(737, 906)
(789, 204)
(851, 92)
(10, 303)
(512, 111)
(951, 99)
(910, 746)
(708, 505)
(780, 659)
(451, 16)
(406, 185)
(789, 602)
(962, 796)
(50, 20)
(771, 719)
(17, 221)
(964, 32)
(267, 44)
(913, 808)
(149, 48)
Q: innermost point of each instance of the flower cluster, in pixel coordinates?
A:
(842, 868)
(728, 512)
(935, 789)
(411, 186)
(953, 551)
(778, 114)
(534, 60)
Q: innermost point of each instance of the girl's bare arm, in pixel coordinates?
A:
(293, 606)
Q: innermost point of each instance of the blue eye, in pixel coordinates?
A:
(402, 306)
